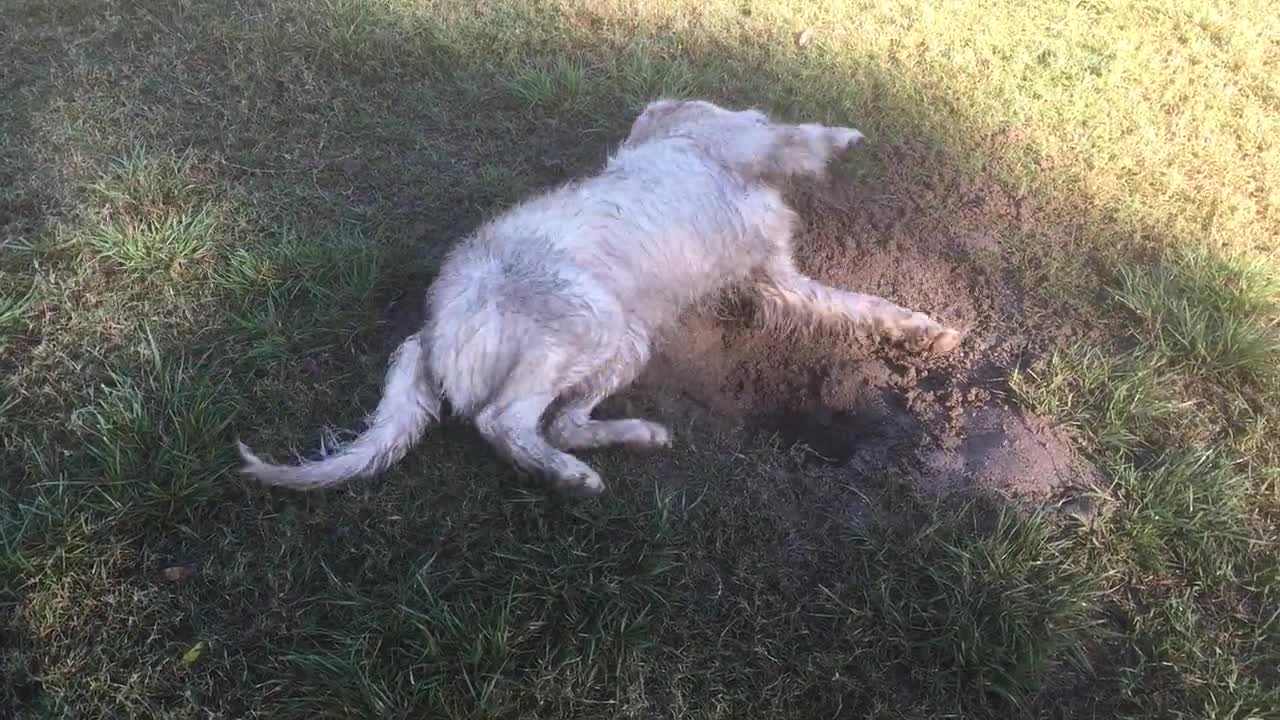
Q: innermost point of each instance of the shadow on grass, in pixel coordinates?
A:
(313, 159)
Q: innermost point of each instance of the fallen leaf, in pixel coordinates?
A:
(193, 654)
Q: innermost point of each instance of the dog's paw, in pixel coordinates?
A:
(923, 335)
(646, 435)
(581, 483)
(843, 141)
(846, 138)
(945, 341)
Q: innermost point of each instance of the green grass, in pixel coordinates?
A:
(974, 608)
(1119, 402)
(217, 218)
(13, 309)
(150, 218)
(148, 439)
(1207, 314)
(560, 87)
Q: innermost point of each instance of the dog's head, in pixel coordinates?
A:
(747, 141)
(669, 117)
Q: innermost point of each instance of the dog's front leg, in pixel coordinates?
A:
(793, 300)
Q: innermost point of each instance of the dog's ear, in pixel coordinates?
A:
(651, 118)
(660, 106)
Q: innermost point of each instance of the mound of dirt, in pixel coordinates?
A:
(867, 408)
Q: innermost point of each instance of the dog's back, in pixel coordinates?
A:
(662, 226)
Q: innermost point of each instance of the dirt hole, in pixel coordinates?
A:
(943, 422)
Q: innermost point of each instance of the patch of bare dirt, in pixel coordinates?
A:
(942, 422)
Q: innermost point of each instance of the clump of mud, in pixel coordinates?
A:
(866, 408)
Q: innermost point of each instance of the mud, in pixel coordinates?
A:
(867, 410)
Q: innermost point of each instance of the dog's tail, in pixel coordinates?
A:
(410, 403)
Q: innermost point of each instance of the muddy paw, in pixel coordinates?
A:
(925, 335)
(945, 341)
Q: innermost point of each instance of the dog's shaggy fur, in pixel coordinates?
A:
(557, 301)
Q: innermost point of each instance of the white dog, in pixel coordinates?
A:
(558, 301)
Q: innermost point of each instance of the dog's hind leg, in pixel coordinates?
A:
(511, 419)
(574, 429)
(512, 427)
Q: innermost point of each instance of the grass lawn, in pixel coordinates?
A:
(217, 218)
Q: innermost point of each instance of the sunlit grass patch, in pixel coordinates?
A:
(1120, 402)
(1215, 316)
